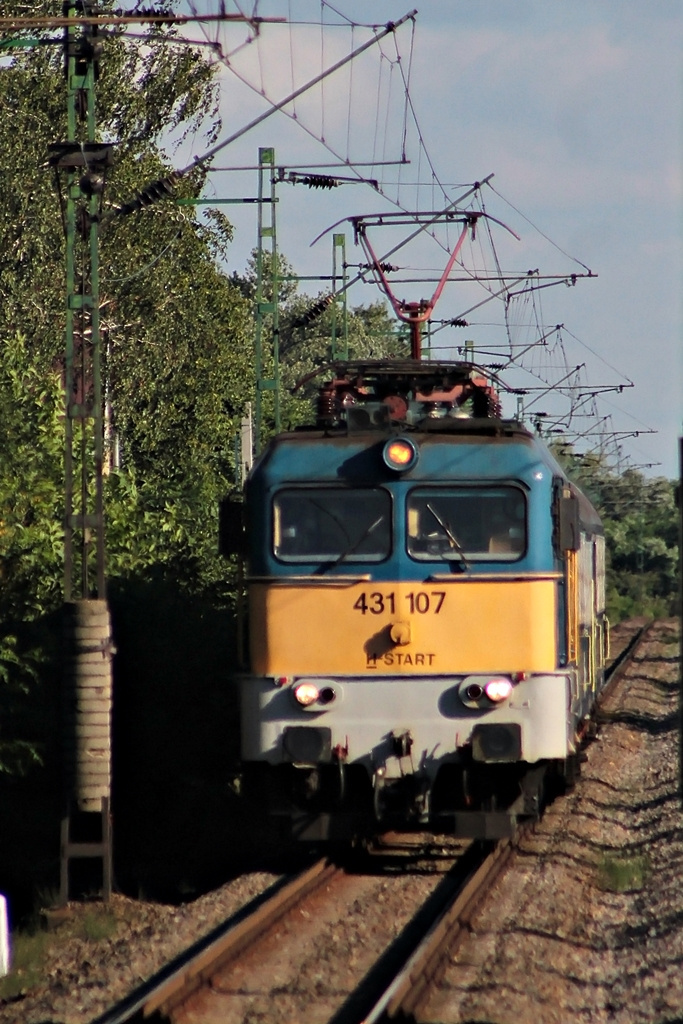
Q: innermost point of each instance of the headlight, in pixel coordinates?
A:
(480, 692)
(498, 689)
(306, 694)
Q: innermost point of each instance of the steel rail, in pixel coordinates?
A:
(412, 982)
(188, 972)
(410, 986)
(419, 969)
(619, 664)
(617, 670)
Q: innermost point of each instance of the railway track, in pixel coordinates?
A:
(405, 997)
(299, 921)
(289, 948)
(569, 927)
(194, 968)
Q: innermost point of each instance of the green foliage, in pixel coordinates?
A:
(31, 535)
(18, 672)
(97, 924)
(176, 331)
(306, 347)
(307, 326)
(641, 529)
(32, 946)
(177, 341)
(29, 955)
(31, 483)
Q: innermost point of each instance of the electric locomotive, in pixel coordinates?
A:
(426, 610)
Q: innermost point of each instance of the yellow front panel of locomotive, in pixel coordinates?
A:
(440, 628)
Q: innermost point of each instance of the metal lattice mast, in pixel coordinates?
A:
(88, 648)
(340, 340)
(266, 358)
(84, 163)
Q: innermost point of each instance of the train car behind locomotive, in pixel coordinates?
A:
(426, 610)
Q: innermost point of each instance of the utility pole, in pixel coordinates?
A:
(267, 297)
(84, 163)
(81, 163)
(340, 277)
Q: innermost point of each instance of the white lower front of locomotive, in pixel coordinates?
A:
(426, 746)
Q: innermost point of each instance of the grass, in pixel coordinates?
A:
(619, 873)
(30, 949)
(96, 925)
(29, 952)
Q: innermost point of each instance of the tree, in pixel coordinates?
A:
(175, 329)
(31, 537)
(177, 340)
(305, 334)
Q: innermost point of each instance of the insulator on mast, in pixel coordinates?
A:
(314, 180)
(386, 268)
(160, 189)
(314, 311)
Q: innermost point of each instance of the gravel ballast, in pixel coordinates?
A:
(84, 975)
(586, 926)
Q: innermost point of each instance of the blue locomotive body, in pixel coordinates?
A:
(427, 628)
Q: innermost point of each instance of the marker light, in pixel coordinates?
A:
(498, 689)
(400, 454)
(306, 694)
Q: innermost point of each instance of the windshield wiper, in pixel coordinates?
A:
(453, 540)
(354, 546)
(335, 519)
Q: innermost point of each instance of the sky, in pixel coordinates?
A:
(576, 111)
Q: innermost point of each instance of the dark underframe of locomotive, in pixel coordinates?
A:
(340, 803)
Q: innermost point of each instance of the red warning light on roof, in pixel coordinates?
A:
(400, 454)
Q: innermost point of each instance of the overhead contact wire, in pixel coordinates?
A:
(322, 66)
(541, 233)
(350, 95)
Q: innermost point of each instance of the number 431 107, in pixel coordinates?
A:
(420, 602)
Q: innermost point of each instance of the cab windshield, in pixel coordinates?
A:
(466, 524)
(331, 524)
